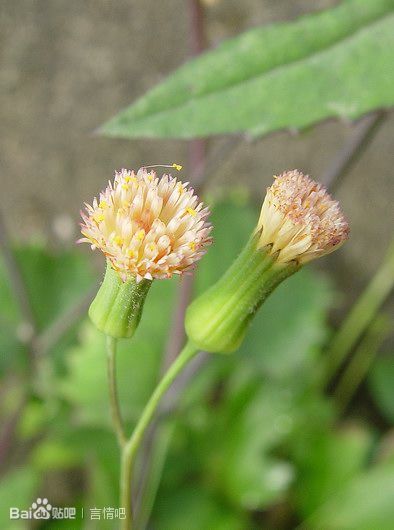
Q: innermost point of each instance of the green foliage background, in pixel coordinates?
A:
(255, 442)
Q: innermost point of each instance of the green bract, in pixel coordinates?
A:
(117, 308)
(218, 319)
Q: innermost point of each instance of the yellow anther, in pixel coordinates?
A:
(103, 204)
(125, 187)
(118, 241)
(99, 217)
(180, 188)
(191, 211)
(192, 245)
(150, 177)
(140, 234)
(152, 247)
(130, 179)
(131, 253)
(178, 167)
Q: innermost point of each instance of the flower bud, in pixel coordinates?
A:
(298, 222)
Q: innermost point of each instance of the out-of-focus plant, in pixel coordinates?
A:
(255, 443)
(151, 228)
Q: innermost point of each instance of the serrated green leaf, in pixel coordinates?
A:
(334, 63)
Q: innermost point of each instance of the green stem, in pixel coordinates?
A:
(359, 365)
(113, 392)
(130, 448)
(361, 315)
(153, 473)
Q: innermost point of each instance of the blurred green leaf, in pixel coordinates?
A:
(255, 422)
(381, 384)
(365, 503)
(54, 282)
(33, 419)
(326, 460)
(53, 454)
(333, 63)
(17, 489)
(194, 509)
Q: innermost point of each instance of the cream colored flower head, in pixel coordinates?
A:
(147, 227)
(299, 219)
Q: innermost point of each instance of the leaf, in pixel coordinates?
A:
(54, 281)
(193, 509)
(329, 64)
(248, 472)
(16, 490)
(381, 384)
(366, 503)
(326, 459)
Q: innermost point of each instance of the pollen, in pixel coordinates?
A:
(178, 167)
(144, 232)
(191, 211)
(98, 217)
(140, 234)
(299, 220)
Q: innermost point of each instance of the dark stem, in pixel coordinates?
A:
(67, 320)
(365, 131)
(17, 282)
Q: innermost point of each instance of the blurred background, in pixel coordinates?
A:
(256, 441)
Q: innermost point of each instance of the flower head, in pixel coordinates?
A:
(299, 220)
(147, 227)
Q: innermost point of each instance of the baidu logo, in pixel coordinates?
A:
(40, 509)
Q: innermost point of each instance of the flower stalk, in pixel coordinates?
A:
(130, 448)
(113, 392)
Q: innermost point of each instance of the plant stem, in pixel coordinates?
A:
(113, 392)
(364, 132)
(132, 445)
(361, 315)
(360, 362)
